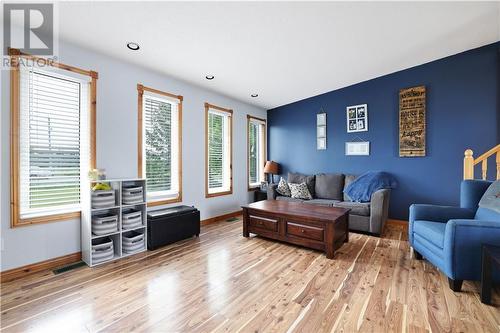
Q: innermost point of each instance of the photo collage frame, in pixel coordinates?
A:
(357, 118)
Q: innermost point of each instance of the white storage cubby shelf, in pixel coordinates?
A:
(106, 217)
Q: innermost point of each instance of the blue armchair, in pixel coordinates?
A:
(451, 237)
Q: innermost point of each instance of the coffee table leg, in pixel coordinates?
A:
(330, 240)
(485, 278)
(346, 228)
(245, 223)
(330, 252)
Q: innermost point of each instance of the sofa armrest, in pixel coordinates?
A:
(271, 191)
(439, 213)
(462, 246)
(379, 210)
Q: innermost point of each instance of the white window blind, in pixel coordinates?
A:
(51, 142)
(219, 151)
(161, 135)
(256, 151)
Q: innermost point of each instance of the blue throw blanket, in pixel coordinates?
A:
(362, 188)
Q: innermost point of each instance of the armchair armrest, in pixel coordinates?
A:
(439, 213)
(462, 246)
(271, 191)
(379, 210)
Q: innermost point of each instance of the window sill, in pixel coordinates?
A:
(253, 188)
(218, 194)
(164, 202)
(23, 222)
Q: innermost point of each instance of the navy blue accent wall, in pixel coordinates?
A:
(462, 112)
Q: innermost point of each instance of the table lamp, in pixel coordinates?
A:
(271, 168)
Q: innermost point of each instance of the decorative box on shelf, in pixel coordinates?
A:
(113, 220)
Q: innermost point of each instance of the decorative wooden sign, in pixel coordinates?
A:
(412, 122)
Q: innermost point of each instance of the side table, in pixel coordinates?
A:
(259, 195)
(490, 257)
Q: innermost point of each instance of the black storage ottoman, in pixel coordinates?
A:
(169, 225)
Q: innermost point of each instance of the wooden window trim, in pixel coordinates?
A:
(140, 93)
(249, 119)
(15, 55)
(209, 106)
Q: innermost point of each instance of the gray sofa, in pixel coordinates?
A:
(328, 190)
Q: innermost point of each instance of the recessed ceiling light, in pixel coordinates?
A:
(210, 77)
(133, 46)
(254, 95)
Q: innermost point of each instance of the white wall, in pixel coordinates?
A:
(117, 150)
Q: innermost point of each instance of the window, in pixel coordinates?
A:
(52, 144)
(160, 115)
(218, 151)
(256, 136)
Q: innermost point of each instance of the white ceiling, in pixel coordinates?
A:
(284, 51)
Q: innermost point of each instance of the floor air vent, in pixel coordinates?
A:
(68, 267)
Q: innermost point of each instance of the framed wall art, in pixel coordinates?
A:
(360, 148)
(321, 131)
(357, 118)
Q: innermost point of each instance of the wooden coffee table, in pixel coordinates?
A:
(317, 227)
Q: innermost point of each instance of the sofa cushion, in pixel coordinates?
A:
(348, 179)
(300, 191)
(329, 186)
(282, 198)
(298, 178)
(283, 188)
(357, 208)
(321, 202)
(431, 231)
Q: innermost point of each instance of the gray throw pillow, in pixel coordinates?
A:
(329, 186)
(300, 191)
(348, 180)
(283, 188)
(298, 178)
(491, 198)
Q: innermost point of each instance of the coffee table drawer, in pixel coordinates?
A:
(263, 223)
(305, 231)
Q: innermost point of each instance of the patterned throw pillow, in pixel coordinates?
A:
(283, 188)
(300, 191)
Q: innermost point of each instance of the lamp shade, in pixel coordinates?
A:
(271, 167)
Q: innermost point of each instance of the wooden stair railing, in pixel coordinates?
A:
(470, 162)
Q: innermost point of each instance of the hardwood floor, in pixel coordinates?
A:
(223, 282)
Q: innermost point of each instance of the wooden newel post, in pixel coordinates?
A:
(468, 164)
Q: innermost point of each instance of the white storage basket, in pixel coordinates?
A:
(102, 250)
(104, 224)
(132, 242)
(131, 219)
(132, 195)
(103, 198)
